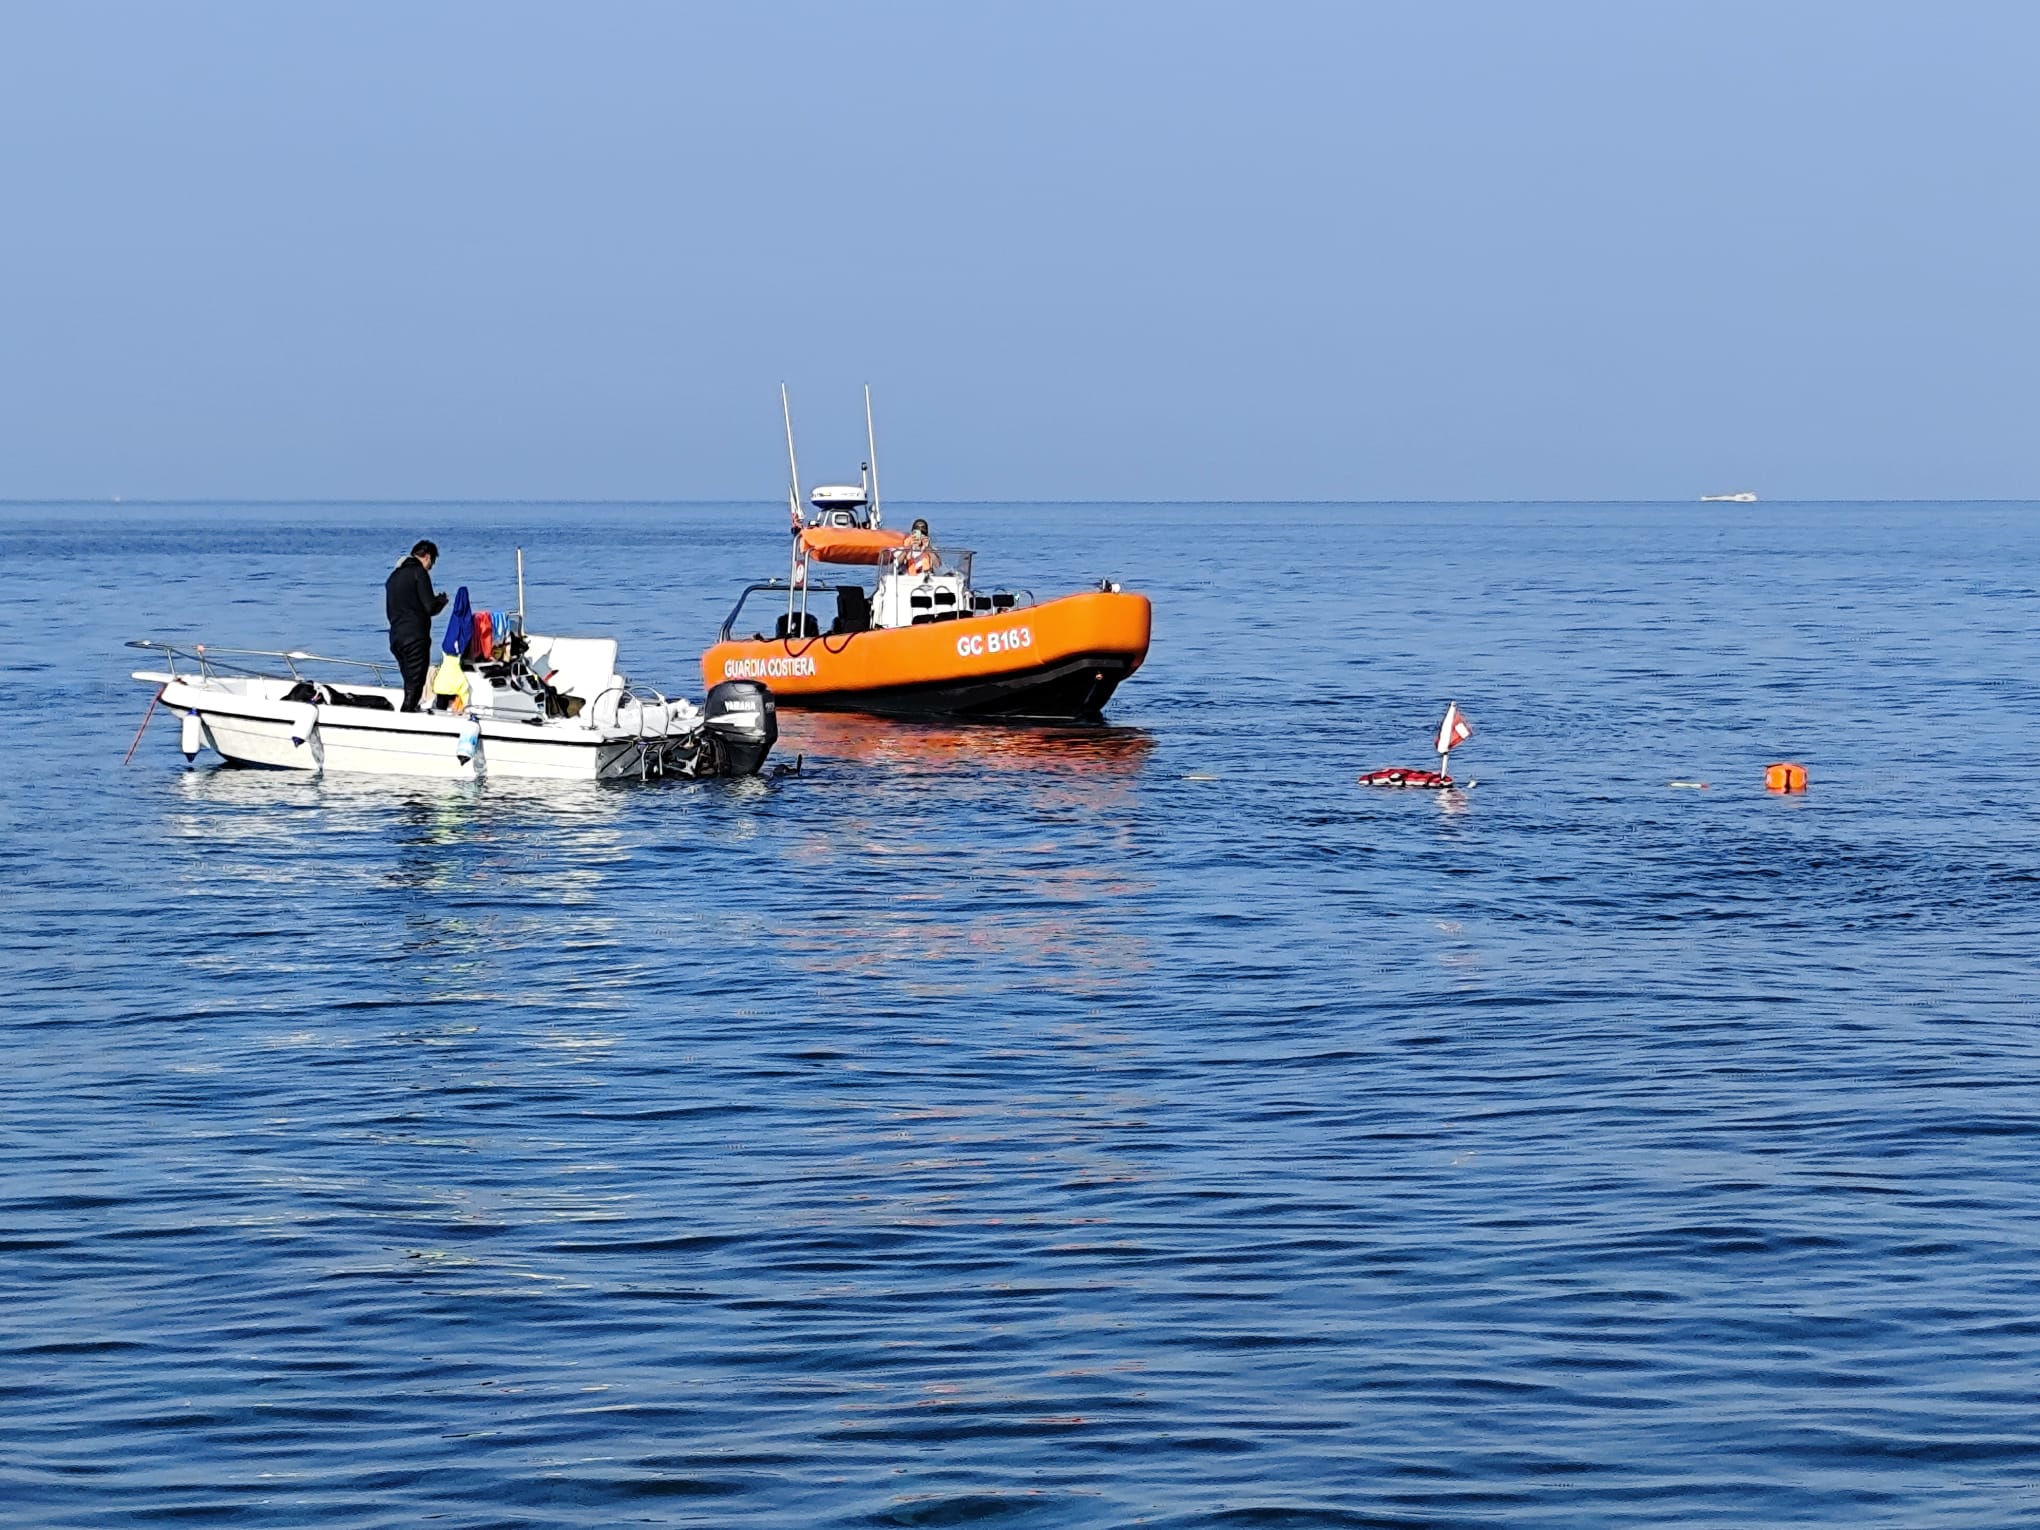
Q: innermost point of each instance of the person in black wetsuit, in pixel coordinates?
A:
(410, 604)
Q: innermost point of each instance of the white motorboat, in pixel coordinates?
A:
(1740, 497)
(558, 710)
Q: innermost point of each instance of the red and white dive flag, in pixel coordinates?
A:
(1454, 730)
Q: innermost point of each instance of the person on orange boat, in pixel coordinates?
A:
(919, 550)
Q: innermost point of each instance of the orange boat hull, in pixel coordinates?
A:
(1060, 660)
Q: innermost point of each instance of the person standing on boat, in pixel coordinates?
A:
(410, 604)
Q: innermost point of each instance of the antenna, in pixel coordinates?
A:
(792, 466)
(520, 592)
(871, 446)
(795, 582)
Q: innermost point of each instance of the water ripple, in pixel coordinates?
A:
(1138, 1125)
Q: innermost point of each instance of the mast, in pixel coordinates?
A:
(871, 448)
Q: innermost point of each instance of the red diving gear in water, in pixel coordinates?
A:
(1396, 775)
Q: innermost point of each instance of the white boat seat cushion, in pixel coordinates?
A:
(584, 667)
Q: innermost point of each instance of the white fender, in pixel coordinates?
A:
(304, 729)
(469, 742)
(192, 739)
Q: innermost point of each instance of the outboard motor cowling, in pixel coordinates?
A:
(740, 724)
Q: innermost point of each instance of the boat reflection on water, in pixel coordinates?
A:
(1007, 856)
(482, 878)
(1074, 749)
(342, 796)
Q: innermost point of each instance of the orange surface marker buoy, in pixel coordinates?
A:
(1785, 777)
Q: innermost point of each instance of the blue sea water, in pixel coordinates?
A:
(1138, 1126)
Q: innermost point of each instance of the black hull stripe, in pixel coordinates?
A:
(1068, 690)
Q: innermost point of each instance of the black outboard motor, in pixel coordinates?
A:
(740, 723)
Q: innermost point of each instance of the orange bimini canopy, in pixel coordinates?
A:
(849, 544)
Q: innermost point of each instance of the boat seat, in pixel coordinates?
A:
(920, 600)
(804, 624)
(1002, 600)
(853, 609)
(333, 696)
(945, 597)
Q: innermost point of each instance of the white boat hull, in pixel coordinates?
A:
(250, 729)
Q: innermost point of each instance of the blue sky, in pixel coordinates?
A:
(1095, 251)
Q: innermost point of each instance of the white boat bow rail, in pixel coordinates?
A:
(206, 657)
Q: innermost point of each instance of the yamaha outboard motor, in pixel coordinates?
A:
(740, 723)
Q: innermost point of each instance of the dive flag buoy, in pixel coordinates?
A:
(1452, 732)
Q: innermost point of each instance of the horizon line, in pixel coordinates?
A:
(455, 500)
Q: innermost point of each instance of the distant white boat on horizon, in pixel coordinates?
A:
(1745, 497)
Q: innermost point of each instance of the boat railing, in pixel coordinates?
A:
(656, 747)
(209, 659)
(993, 602)
(774, 587)
(953, 562)
(998, 600)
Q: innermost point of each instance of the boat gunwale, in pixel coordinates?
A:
(406, 724)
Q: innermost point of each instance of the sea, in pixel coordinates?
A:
(1135, 1125)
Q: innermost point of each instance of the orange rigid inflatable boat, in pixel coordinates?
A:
(922, 640)
(1057, 661)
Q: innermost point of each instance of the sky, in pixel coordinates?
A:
(1097, 251)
